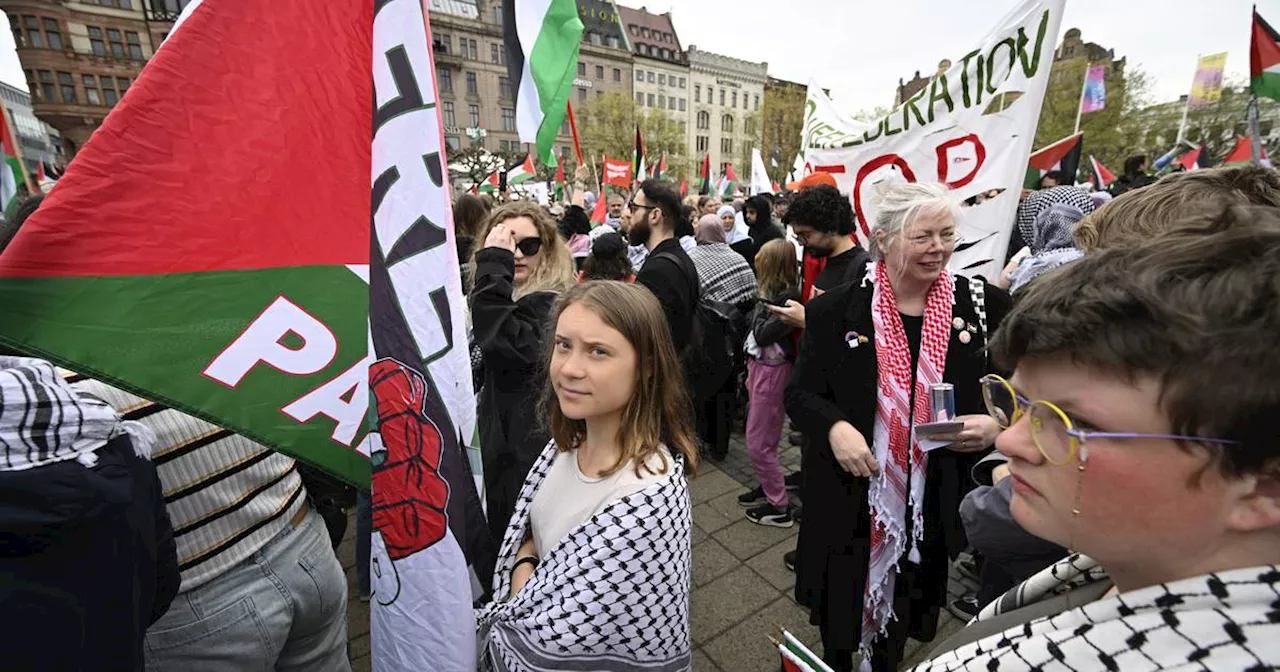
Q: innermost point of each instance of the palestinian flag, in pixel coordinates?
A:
(1062, 156)
(637, 157)
(684, 187)
(542, 39)
(1242, 154)
(490, 184)
(522, 172)
(13, 173)
(660, 169)
(1191, 160)
(1181, 149)
(705, 187)
(728, 182)
(319, 312)
(601, 212)
(561, 185)
(1264, 59)
(1099, 175)
(796, 657)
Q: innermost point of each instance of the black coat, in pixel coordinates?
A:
(511, 336)
(833, 382)
(670, 275)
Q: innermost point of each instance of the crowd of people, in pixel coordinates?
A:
(1108, 460)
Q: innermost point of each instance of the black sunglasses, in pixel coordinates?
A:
(529, 247)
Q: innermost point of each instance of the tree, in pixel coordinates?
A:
(751, 128)
(1216, 126)
(607, 125)
(1105, 134)
(782, 121)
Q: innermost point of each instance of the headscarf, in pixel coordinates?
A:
(1048, 234)
(710, 230)
(739, 232)
(726, 210)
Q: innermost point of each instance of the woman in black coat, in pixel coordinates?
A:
(517, 276)
(866, 509)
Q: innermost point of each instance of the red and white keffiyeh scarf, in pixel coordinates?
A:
(898, 453)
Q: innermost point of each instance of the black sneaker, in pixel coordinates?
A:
(767, 514)
(753, 498)
(789, 559)
(793, 480)
(965, 608)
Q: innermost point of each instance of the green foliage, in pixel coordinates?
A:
(607, 126)
(782, 121)
(1108, 132)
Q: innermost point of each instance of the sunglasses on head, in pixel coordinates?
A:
(529, 246)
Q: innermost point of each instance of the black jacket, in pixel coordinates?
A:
(511, 337)
(768, 328)
(669, 273)
(87, 562)
(833, 382)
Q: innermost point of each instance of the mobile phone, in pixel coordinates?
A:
(932, 429)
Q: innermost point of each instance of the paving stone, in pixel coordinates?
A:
(711, 561)
(746, 539)
(746, 646)
(709, 486)
(358, 647)
(728, 506)
(725, 602)
(357, 618)
(701, 663)
(708, 519)
(699, 536)
(768, 564)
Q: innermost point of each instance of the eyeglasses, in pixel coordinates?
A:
(632, 206)
(1053, 431)
(530, 246)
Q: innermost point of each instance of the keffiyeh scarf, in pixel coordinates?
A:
(1223, 621)
(902, 462)
(44, 421)
(613, 595)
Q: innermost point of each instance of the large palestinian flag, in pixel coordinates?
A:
(1062, 156)
(1264, 59)
(542, 39)
(278, 301)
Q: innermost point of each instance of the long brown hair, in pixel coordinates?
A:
(776, 268)
(556, 271)
(659, 408)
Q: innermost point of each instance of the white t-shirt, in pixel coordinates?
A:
(568, 498)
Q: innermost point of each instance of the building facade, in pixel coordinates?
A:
(727, 97)
(80, 57)
(604, 59)
(662, 76)
(39, 142)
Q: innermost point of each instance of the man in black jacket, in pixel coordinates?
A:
(668, 271)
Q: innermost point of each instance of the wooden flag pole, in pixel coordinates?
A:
(573, 128)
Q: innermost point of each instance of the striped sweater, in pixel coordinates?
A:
(226, 495)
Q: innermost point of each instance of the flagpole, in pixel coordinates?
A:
(573, 126)
(1255, 133)
(1084, 86)
(1182, 127)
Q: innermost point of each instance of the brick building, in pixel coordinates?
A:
(661, 67)
(80, 57)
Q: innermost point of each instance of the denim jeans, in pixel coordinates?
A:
(283, 608)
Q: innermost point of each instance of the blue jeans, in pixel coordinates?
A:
(283, 608)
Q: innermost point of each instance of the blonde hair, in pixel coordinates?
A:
(776, 267)
(902, 204)
(556, 271)
(658, 411)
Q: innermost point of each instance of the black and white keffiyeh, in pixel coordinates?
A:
(613, 595)
(1223, 621)
(44, 421)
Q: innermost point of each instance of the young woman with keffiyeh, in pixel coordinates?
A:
(881, 516)
(1141, 421)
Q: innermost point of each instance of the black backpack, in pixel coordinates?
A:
(719, 330)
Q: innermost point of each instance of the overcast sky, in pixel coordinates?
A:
(860, 48)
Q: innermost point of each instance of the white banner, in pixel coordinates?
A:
(952, 131)
(760, 183)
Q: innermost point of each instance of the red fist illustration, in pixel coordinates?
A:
(409, 495)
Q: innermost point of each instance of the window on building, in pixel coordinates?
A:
(475, 50)
(711, 95)
(684, 127)
(682, 82)
(704, 143)
(19, 38)
(34, 38)
(496, 54)
(744, 100)
(504, 89)
(68, 84)
(473, 116)
(122, 83)
(582, 69)
(644, 32)
(472, 88)
(726, 123)
(508, 119)
(564, 128)
(639, 75)
(599, 72)
(497, 14)
(649, 98)
(757, 102)
(617, 75)
(445, 78)
(109, 91)
(671, 103)
(612, 41)
(662, 100)
(747, 146)
(682, 108)
(450, 115)
(704, 120)
(582, 95)
(452, 142)
(697, 93)
(53, 34)
(91, 94)
(504, 145)
(135, 46)
(726, 146)
(116, 41)
(749, 126)
(445, 42)
(95, 41)
(722, 96)
(650, 77)
(47, 88)
(595, 38)
(639, 98)
(662, 79)
(735, 98)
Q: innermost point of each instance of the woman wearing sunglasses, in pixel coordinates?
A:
(516, 277)
(881, 517)
(1141, 433)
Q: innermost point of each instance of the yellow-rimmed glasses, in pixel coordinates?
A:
(1052, 430)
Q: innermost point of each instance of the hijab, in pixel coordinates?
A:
(710, 230)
